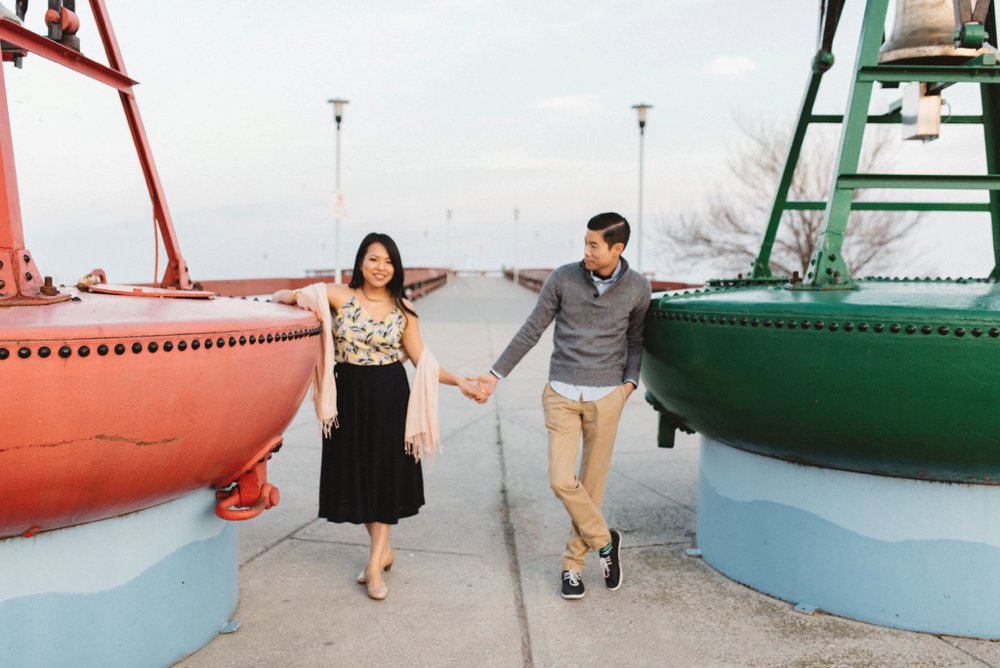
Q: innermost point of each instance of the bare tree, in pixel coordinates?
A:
(728, 231)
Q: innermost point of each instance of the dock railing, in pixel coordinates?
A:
(417, 282)
(533, 279)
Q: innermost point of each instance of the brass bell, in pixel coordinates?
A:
(924, 32)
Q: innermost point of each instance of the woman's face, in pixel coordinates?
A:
(376, 267)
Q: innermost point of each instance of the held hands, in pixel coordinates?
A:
(474, 392)
(629, 389)
(486, 383)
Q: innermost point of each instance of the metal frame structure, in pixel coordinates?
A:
(20, 282)
(827, 268)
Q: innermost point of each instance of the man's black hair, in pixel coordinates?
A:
(614, 226)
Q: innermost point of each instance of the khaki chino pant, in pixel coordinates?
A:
(581, 493)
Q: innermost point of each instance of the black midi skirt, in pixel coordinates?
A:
(366, 475)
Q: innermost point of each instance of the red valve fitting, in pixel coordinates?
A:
(69, 21)
(251, 496)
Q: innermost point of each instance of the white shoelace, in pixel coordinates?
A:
(573, 577)
(606, 566)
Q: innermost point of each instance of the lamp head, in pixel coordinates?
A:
(642, 109)
(338, 109)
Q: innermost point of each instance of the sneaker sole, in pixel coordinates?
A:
(573, 597)
(621, 571)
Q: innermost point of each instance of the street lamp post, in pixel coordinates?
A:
(516, 249)
(447, 235)
(338, 115)
(641, 108)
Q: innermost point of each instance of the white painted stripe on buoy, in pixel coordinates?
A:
(110, 552)
(920, 510)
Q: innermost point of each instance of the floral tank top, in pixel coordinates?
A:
(364, 341)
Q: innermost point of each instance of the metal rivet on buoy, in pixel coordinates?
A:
(27, 258)
(848, 326)
(253, 339)
(910, 329)
(152, 347)
(137, 347)
(805, 324)
(195, 344)
(779, 323)
(977, 331)
(65, 351)
(792, 324)
(959, 331)
(926, 329)
(24, 353)
(232, 340)
(994, 332)
(4, 353)
(270, 338)
(168, 346)
(700, 319)
(818, 324)
(863, 327)
(943, 330)
(833, 327)
(754, 322)
(44, 351)
(243, 340)
(894, 328)
(221, 342)
(28, 275)
(767, 322)
(102, 350)
(2, 284)
(182, 345)
(208, 344)
(879, 328)
(83, 351)
(119, 349)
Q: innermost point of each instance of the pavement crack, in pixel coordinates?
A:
(961, 649)
(653, 490)
(510, 541)
(267, 548)
(400, 549)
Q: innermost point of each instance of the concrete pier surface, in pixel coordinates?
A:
(476, 579)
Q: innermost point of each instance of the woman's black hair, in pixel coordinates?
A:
(395, 285)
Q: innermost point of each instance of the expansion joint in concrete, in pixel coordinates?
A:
(510, 541)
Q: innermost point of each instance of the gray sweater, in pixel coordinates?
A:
(598, 338)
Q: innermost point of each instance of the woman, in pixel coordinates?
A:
(367, 477)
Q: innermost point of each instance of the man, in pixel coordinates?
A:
(599, 306)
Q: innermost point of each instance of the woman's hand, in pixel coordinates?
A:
(472, 391)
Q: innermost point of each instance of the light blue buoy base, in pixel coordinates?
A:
(143, 589)
(910, 554)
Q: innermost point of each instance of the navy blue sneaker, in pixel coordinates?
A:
(611, 563)
(572, 585)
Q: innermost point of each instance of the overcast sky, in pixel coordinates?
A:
(479, 107)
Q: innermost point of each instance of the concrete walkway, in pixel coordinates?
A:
(476, 579)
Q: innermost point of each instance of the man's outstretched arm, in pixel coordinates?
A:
(541, 316)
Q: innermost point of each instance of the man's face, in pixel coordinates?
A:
(597, 256)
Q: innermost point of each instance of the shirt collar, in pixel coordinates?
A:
(612, 278)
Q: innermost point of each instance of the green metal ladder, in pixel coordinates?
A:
(827, 269)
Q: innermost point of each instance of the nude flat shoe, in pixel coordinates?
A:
(387, 566)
